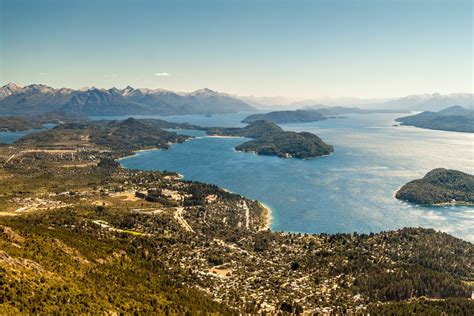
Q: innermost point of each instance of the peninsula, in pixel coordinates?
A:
(454, 119)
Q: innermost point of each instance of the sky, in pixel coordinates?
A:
(299, 49)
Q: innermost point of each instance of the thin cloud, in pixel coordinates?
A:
(162, 74)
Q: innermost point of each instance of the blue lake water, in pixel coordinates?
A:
(350, 190)
(11, 137)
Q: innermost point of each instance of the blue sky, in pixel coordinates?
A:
(297, 49)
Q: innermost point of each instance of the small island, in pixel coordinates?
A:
(454, 119)
(439, 186)
(272, 140)
(282, 117)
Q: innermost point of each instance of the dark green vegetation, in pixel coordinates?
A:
(281, 117)
(272, 140)
(46, 267)
(39, 99)
(81, 235)
(423, 307)
(127, 135)
(455, 118)
(439, 186)
(287, 145)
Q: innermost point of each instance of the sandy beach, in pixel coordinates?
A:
(219, 136)
(268, 216)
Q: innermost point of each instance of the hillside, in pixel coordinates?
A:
(455, 118)
(39, 99)
(439, 186)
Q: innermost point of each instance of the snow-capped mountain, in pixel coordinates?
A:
(37, 98)
(9, 89)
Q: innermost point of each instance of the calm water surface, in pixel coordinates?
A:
(11, 137)
(350, 190)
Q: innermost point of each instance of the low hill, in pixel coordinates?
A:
(455, 118)
(281, 117)
(272, 140)
(439, 186)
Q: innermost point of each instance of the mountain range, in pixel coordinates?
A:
(428, 102)
(38, 99)
(416, 102)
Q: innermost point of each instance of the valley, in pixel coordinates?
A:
(161, 244)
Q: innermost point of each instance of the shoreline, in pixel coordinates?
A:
(136, 152)
(222, 136)
(268, 216)
(268, 211)
(441, 204)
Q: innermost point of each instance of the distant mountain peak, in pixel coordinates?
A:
(12, 85)
(9, 89)
(204, 91)
(128, 90)
(41, 88)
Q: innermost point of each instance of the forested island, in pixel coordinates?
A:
(272, 140)
(455, 119)
(282, 117)
(88, 236)
(439, 186)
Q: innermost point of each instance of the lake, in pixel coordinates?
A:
(350, 190)
(11, 137)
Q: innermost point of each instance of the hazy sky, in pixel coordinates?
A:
(290, 48)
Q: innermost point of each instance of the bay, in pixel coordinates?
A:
(11, 137)
(350, 190)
